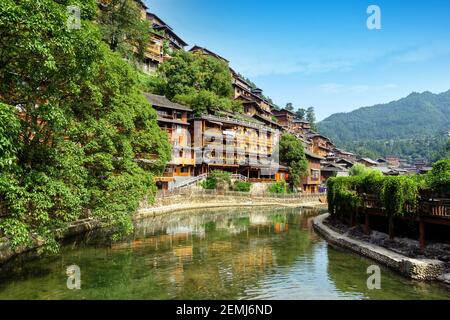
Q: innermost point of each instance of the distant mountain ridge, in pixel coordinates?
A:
(398, 127)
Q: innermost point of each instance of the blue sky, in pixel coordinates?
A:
(321, 53)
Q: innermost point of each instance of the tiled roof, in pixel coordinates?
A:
(161, 101)
(313, 155)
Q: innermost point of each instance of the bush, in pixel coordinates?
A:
(358, 169)
(439, 178)
(242, 186)
(217, 180)
(280, 187)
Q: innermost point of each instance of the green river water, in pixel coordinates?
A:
(209, 254)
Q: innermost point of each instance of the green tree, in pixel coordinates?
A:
(200, 81)
(9, 137)
(358, 169)
(300, 114)
(84, 125)
(311, 118)
(289, 106)
(123, 28)
(439, 177)
(292, 153)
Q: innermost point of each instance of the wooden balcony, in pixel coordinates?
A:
(182, 161)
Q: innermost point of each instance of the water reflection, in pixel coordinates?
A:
(210, 254)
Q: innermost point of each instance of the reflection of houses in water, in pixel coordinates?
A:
(281, 227)
(252, 260)
(230, 226)
(186, 229)
(220, 247)
(184, 253)
(156, 242)
(258, 219)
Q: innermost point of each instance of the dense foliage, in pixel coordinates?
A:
(280, 187)
(293, 155)
(398, 194)
(439, 177)
(242, 186)
(413, 127)
(311, 118)
(84, 125)
(217, 179)
(198, 80)
(123, 29)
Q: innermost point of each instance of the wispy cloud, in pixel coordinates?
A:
(312, 60)
(336, 88)
(423, 52)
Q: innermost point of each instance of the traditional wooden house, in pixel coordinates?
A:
(393, 161)
(202, 50)
(235, 145)
(321, 144)
(368, 162)
(345, 163)
(341, 154)
(329, 170)
(174, 119)
(301, 126)
(173, 40)
(311, 183)
(285, 118)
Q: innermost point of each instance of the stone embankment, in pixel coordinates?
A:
(419, 269)
(188, 200)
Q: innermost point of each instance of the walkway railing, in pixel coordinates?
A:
(191, 181)
(439, 207)
(427, 211)
(205, 192)
(239, 177)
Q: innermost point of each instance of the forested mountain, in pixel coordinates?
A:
(412, 127)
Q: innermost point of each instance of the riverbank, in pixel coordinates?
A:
(191, 200)
(411, 267)
(173, 204)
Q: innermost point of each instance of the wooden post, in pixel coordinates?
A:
(391, 228)
(366, 223)
(422, 234)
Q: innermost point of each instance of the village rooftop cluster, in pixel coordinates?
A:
(230, 141)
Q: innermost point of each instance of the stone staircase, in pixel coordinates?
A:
(184, 182)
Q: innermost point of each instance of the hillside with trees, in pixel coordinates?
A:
(413, 127)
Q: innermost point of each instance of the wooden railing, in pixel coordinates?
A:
(435, 207)
(426, 206)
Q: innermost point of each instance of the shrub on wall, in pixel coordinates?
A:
(279, 187)
(217, 180)
(398, 195)
(242, 186)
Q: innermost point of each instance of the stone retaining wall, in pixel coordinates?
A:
(419, 269)
(192, 201)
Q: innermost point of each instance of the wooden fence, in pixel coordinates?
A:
(428, 211)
